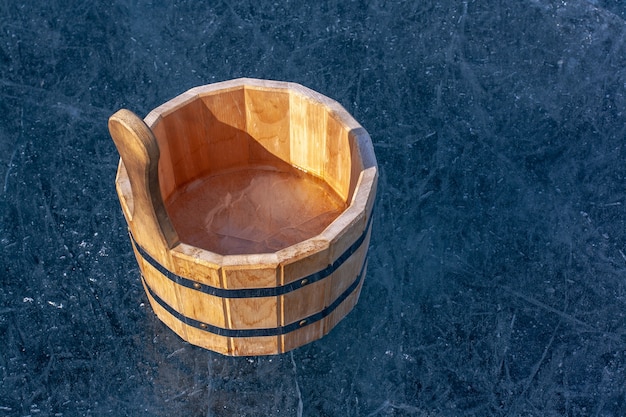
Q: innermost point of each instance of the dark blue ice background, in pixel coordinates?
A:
(497, 274)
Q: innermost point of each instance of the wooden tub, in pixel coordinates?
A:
(249, 206)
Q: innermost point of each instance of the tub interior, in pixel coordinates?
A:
(254, 170)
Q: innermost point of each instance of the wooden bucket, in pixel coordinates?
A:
(249, 206)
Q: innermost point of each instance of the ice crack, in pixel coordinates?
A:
(295, 373)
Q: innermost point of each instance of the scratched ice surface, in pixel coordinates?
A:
(495, 280)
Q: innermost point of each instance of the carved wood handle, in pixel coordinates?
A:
(139, 151)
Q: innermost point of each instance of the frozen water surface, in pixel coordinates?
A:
(497, 272)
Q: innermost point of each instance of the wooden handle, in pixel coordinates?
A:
(139, 151)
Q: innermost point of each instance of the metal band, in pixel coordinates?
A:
(276, 331)
(254, 292)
